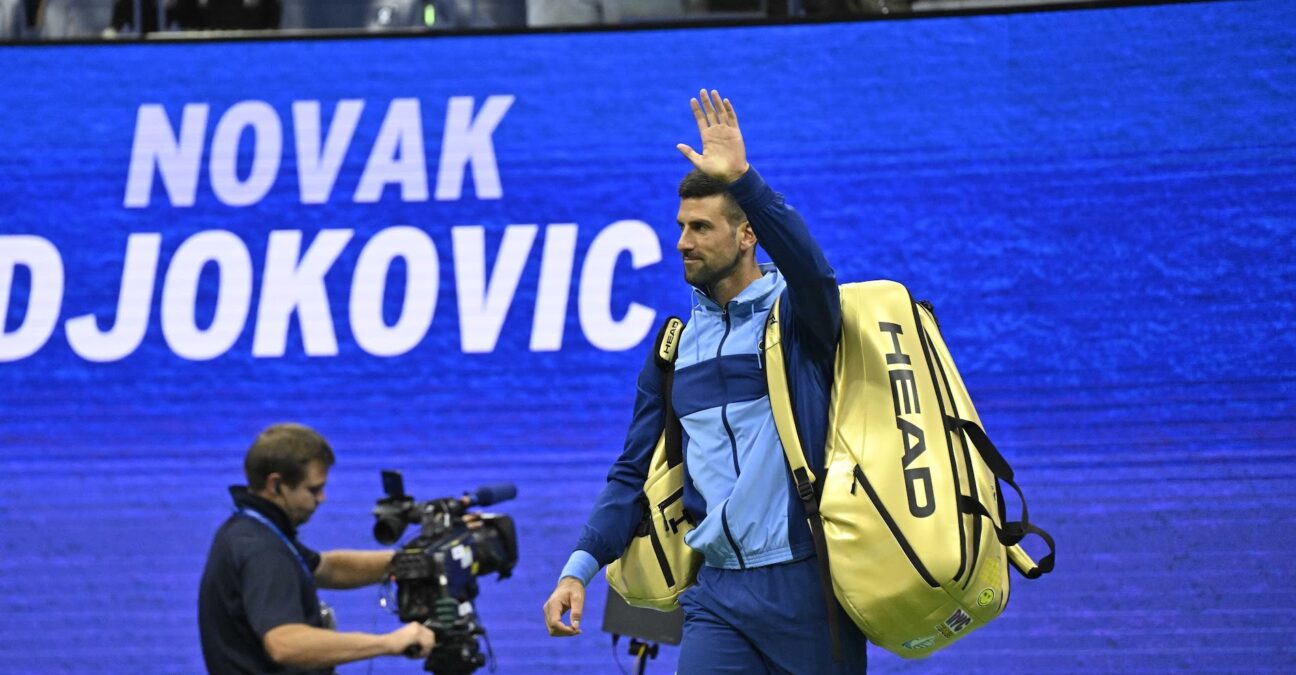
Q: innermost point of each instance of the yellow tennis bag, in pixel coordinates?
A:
(913, 531)
(909, 519)
(657, 565)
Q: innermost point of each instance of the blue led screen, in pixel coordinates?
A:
(449, 255)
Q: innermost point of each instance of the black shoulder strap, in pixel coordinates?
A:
(667, 345)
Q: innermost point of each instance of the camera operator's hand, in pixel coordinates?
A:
(568, 595)
(413, 640)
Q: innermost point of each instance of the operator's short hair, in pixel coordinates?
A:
(698, 185)
(286, 449)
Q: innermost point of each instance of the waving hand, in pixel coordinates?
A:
(724, 156)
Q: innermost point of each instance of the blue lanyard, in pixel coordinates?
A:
(296, 554)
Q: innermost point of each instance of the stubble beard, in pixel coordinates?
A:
(706, 277)
(302, 516)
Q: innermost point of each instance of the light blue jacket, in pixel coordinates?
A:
(732, 455)
(738, 488)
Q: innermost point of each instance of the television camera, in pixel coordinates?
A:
(436, 571)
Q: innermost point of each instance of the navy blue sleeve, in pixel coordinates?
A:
(311, 557)
(617, 510)
(269, 585)
(812, 283)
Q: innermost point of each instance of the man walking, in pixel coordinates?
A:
(757, 605)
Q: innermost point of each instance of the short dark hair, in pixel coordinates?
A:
(698, 185)
(286, 449)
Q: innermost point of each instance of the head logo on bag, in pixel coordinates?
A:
(912, 438)
(668, 340)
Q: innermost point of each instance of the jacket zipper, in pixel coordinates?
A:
(724, 523)
(724, 407)
(895, 529)
(733, 443)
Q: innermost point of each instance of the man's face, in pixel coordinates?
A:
(300, 502)
(708, 242)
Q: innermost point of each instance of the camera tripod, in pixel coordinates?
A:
(646, 628)
(642, 651)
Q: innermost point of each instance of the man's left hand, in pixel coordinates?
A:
(724, 155)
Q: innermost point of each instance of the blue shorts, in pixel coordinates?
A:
(764, 620)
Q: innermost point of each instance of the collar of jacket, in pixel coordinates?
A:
(244, 499)
(758, 296)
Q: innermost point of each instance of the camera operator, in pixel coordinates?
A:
(258, 611)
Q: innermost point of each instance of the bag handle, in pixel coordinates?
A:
(1010, 533)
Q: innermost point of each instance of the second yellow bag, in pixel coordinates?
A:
(657, 565)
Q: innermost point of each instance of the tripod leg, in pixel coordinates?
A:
(641, 660)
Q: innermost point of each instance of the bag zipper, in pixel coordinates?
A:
(967, 457)
(949, 446)
(972, 487)
(891, 525)
(646, 528)
(661, 557)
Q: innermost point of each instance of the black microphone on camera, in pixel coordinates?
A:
(487, 495)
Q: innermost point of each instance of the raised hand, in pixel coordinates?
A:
(724, 156)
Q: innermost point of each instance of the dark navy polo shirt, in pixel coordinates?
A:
(253, 583)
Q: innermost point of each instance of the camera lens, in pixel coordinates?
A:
(388, 529)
